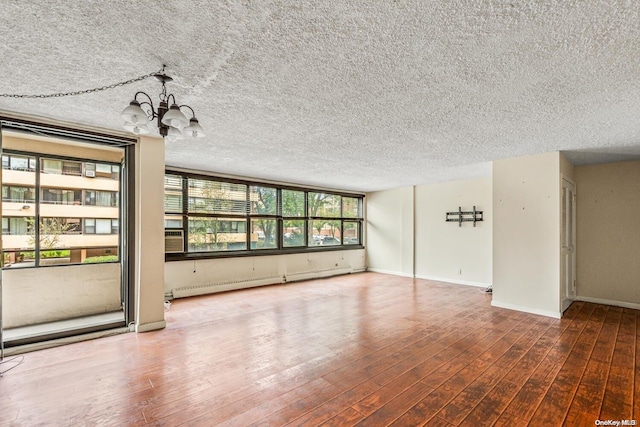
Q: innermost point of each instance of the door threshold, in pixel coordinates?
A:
(61, 329)
(56, 342)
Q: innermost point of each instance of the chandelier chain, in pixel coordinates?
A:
(80, 92)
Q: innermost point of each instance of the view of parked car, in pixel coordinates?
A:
(328, 240)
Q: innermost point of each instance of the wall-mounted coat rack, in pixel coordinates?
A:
(466, 216)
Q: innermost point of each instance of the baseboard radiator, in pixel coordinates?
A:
(210, 288)
(189, 291)
(317, 274)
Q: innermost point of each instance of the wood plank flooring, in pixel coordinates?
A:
(365, 349)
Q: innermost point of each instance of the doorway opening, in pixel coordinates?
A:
(64, 249)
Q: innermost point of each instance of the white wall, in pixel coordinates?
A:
(444, 251)
(608, 233)
(526, 234)
(390, 231)
(407, 233)
(185, 278)
(38, 295)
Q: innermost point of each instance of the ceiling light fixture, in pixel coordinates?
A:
(172, 122)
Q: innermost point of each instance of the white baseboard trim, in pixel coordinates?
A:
(455, 281)
(393, 273)
(508, 306)
(146, 327)
(609, 302)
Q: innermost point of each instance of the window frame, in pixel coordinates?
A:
(251, 217)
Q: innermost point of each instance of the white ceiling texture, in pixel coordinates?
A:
(353, 95)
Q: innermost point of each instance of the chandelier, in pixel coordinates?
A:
(171, 121)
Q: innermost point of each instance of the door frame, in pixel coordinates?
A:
(568, 286)
(127, 210)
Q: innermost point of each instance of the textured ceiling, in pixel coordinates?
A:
(358, 95)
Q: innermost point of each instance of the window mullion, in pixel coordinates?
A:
(36, 224)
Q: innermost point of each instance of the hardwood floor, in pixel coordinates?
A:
(365, 349)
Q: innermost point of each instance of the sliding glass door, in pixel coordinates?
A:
(62, 260)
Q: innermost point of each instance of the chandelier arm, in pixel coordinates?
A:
(152, 113)
(193, 113)
(143, 93)
(170, 97)
(149, 103)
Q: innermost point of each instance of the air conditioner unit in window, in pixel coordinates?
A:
(90, 174)
(173, 241)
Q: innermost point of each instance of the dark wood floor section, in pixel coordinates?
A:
(365, 349)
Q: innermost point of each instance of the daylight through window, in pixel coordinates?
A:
(207, 215)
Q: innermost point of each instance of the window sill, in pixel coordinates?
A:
(257, 252)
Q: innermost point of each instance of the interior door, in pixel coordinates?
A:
(568, 253)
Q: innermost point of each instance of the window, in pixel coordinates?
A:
(351, 233)
(221, 216)
(13, 194)
(173, 193)
(71, 168)
(293, 229)
(264, 200)
(217, 197)
(324, 232)
(89, 226)
(73, 223)
(351, 207)
(263, 234)
(78, 168)
(292, 203)
(103, 170)
(100, 226)
(264, 207)
(293, 233)
(100, 198)
(106, 198)
(18, 162)
(324, 205)
(52, 166)
(17, 225)
(172, 221)
(60, 196)
(217, 234)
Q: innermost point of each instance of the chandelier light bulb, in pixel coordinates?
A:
(174, 134)
(194, 129)
(175, 118)
(134, 113)
(137, 129)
